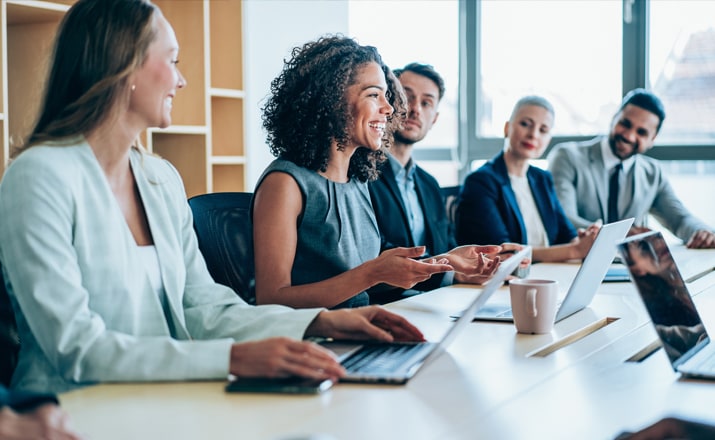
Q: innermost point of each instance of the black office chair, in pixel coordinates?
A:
(9, 339)
(225, 235)
(450, 196)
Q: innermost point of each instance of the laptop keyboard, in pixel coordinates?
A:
(377, 358)
(707, 363)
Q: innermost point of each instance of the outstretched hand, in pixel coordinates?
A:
(508, 250)
(474, 264)
(398, 267)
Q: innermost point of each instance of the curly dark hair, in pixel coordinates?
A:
(307, 109)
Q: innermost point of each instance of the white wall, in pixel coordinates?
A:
(271, 29)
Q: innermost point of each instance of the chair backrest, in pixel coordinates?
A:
(9, 339)
(450, 195)
(225, 235)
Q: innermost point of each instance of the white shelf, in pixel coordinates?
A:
(227, 93)
(228, 160)
(180, 129)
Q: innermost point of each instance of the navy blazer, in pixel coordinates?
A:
(487, 211)
(395, 228)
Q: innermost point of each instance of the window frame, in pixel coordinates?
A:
(635, 74)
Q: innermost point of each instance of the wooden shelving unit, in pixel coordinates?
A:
(206, 140)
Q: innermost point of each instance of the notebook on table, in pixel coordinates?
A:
(397, 362)
(588, 278)
(669, 304)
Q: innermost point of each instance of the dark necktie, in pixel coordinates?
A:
(613, 187)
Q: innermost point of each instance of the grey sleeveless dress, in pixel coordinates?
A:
(337, 230)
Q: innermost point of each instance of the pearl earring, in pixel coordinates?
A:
(134, 87)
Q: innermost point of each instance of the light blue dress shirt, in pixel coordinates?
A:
(405, 177)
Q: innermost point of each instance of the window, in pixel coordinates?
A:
(545, 47)
(681, 68)
(583, 56)
(424, 31)
(548, 48)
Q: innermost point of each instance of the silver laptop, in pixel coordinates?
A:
(587, 280)
(669, 304)
(398, 362)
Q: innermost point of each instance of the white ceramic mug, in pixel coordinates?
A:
(533, 304)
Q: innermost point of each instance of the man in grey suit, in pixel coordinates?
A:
(610, 178)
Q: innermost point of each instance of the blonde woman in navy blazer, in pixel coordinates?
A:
(96, 240)
(490, 210)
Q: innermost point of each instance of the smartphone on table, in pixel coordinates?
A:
(285, 385)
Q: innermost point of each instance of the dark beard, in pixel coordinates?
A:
(612, 143)
(403, 140)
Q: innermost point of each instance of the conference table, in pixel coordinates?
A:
(598, 373)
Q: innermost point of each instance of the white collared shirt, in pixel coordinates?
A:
(535, 231)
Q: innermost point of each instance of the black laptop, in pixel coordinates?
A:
(669, 304)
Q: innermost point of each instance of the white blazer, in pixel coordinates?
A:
(85, 308)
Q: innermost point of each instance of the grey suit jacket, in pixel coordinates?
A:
(581, 181)
(86, 311)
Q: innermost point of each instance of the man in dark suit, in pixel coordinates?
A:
(407, 201)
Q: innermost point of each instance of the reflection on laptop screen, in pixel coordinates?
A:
(664, 294)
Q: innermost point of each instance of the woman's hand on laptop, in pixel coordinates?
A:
(363, 323)
(283, 357)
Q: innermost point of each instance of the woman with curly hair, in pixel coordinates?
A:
(331, 111)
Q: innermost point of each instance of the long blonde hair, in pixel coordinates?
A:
(98, 45)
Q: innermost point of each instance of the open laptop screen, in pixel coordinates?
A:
(665, 295)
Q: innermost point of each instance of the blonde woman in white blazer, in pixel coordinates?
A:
(96, 239)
